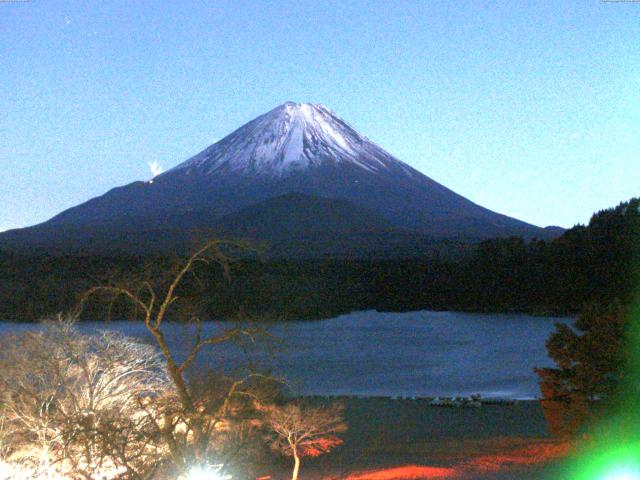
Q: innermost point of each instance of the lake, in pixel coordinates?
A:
(408, 354)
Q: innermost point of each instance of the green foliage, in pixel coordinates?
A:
(590, 363)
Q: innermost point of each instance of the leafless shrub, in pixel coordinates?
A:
(82, 405)
(301, 430)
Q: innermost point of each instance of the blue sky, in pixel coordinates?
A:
(531, 108)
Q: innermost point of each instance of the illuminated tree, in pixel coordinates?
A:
(77, 405)
(304, 431)
(194, 421)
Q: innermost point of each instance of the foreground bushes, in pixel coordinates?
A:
(102, 405)
(81, 406)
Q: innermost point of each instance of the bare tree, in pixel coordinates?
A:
(192, 423)
(78, 404)
(304, 431)
(6, 469)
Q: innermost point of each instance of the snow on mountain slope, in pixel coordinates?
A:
(290, 138)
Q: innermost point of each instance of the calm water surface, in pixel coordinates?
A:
(398, 354)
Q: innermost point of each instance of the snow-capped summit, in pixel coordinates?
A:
(289, 138)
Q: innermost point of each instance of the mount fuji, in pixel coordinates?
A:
(296, 174)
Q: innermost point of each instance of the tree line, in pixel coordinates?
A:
(588, 264)
(592, 390)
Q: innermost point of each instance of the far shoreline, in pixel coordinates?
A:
(281, 321)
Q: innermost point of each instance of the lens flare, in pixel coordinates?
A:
(623, 473)
(206, 472)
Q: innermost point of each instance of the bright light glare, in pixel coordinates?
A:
(204, 472)
(9, 471)
(623, 473)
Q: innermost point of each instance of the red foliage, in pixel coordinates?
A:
(531, 455)
(535, 454)
(408, 472)
(320, 446)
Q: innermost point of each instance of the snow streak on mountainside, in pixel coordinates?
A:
(290, 138)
